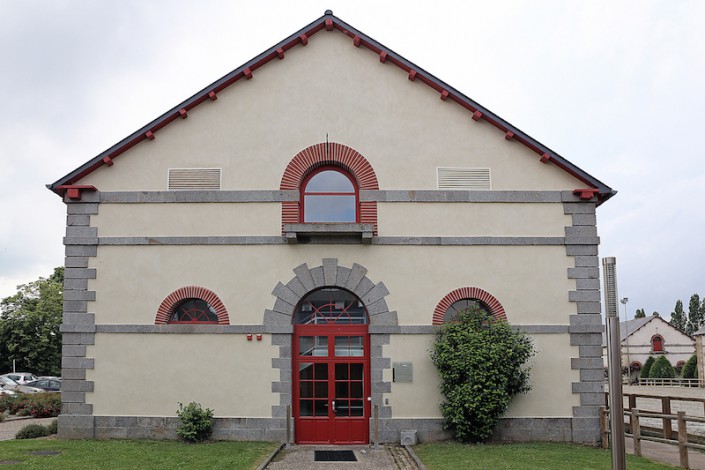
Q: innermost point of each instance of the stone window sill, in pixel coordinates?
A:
(331, 232)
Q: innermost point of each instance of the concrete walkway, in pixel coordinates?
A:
(666, 453)
(368, 458)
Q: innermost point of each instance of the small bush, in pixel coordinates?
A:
(53, 426)
(662, 369)
(690, 369)
(196, 423)
(32, 431)
(644, 373)
(37, 405)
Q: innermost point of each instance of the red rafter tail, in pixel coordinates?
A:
(509, 135)
(356, 41)
(545, 158)
(304, 39)
(248, 73)
(108, 161)
(183, 113)
(585, 194)
(148, 134)
(444, 95)
(212, 95)
(280, 53)
(329, 25)
(382, 56)
(476, 116)
(412, 75)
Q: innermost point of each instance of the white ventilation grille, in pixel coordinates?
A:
(464, 178)
(194, 178)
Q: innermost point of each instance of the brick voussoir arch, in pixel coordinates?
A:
(483, 296)
(323, 154)
(191, 292)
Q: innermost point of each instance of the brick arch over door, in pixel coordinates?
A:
(485, 297)
(322, 154)
(191, 292)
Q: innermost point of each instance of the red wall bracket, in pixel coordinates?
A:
(148, 134)
(280, 53)
(73, 191)
(329, 25)
(183, 113)
(248, 73)
(412, 75)
(304, 39)
(476, 116)
(356, 41)
(509, 135)
(108, 161)
(382, 56)
(212, 95)
(444, 95)
(586, 194)
(545, 158)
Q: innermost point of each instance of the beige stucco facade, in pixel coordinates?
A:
(527, 242)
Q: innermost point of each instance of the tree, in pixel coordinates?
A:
(481, 365)
(690, 370)
(662, 369)
(695, 318)
(678, 319)
(640, 313)
(644, 373)
(29, 326)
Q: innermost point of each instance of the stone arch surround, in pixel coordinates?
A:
(278, 320)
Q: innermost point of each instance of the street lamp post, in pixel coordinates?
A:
(626, 332)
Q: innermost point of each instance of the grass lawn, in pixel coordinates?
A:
(139, 454)
(539, 456)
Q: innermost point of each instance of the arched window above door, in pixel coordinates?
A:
(329, 194)
(657, 343)
(330, 305)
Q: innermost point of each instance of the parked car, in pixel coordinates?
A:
(21, 377)
(9, 384)
(48, 385)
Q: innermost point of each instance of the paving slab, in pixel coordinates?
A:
(301, 457)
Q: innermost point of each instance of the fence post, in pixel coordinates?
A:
(636, 431)
(632, 401)
(666, 409)
(683, 439)
(603, 428)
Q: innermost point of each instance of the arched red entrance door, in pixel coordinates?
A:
(331, 369)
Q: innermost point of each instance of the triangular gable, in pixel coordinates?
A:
(67, 184)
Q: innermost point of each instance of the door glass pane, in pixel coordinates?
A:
(306, 407)
(329, 181)
(320, 408)
(321, 371)
(341, 390)
(356, 408)
(313, 346)
(306, 389)
(356, 371)
(342, 407)
(322, 389)
(306, 371)
(356, 390)
(341, 372)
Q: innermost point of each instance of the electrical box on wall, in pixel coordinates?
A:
(403, 372)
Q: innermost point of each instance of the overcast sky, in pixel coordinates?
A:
(616, 87)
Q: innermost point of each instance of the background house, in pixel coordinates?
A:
(293, 234)
(651, 336)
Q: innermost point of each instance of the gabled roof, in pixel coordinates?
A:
(629, 327)
(329, 22)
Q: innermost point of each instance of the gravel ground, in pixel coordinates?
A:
(654, 404)
(11, 425)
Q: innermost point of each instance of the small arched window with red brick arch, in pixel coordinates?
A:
(192, 304)
(464, 299)
(329, 194)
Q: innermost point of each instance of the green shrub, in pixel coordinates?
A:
(690, 369)
(480, 362)
(644, 374)
(196, 423)
(53, 426)
(31, 431)
(662, 369)
(43, 405)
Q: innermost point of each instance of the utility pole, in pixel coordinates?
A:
(614, 364)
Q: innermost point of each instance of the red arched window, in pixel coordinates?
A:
(193, 311)
(657, 343)
(192, 304)
(329, 194)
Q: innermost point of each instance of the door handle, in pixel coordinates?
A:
(333, 404)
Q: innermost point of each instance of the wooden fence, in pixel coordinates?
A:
(681, 440)
(674, 382)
